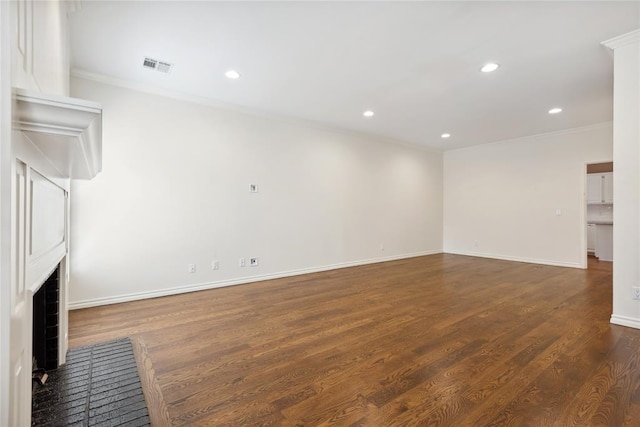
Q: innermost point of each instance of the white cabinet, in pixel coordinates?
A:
(600, 188)
(594, 188)
(607, 187)
(591, 237)
(604, 242)
(600, 241)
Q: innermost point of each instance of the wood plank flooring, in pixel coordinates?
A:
(436, 340)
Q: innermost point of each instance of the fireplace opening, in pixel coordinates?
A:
(46, 318)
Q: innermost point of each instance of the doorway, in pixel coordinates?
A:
(599, 213)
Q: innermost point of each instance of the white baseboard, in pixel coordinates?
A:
(518, 259)
(631, 322)
(75, 305)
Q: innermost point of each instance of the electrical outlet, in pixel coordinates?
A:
(253, 262)
(192, 268)
(635, 292)
(253, 188)
(242, 262)
(215, 264)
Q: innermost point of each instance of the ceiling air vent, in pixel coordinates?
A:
(154, 64)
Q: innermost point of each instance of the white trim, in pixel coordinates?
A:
(538, 135)
(631, 322)
(240, 281)
(55, 124)
(622, 40)
(39, 270)
(208, 102)
(518, 259)
(6, 208)
(25, 150)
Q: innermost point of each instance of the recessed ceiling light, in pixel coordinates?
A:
(368, 113)
(491, 66)
(232, 74)
(445, 135)
(555, 110)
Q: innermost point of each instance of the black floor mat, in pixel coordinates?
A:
(98, 386)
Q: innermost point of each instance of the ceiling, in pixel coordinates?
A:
(415, 64)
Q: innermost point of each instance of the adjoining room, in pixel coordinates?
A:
(600, 212)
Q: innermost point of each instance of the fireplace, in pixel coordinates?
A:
(54, 139)
(46, 320)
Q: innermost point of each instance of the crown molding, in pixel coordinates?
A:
(623, 40)
(568, 131)
(223, 106)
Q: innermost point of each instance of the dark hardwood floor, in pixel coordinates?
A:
(435, 340)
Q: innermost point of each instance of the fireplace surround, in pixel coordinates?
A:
(54, 139)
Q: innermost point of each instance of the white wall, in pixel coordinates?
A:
(626, 175)
(174, 190)
(500, 199)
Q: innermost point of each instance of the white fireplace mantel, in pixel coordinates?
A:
(67, 131)
(54, 139)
